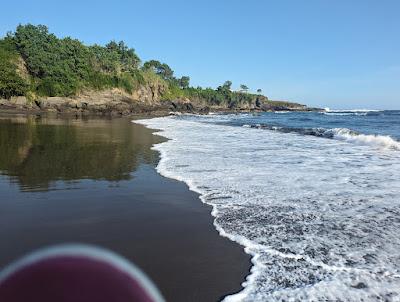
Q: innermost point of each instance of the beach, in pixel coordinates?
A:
(313, 197)
(93, 181)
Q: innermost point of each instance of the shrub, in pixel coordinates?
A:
(10, 82)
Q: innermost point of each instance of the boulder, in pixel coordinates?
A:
(182, 106)
(204, 110)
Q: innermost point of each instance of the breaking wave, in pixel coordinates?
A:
(345, 113)
(356, 112)
(344, 134)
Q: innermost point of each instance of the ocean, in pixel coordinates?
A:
(313, 197)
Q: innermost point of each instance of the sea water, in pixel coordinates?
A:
(313, 197)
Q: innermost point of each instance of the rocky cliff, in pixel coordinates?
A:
(145, 100)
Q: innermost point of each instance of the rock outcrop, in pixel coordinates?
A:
(106, 102)
(145, 100)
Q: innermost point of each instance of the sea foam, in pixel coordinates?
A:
(344, 134)
(320, 217)
(383, 141)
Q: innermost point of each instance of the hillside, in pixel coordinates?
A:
(39, 71)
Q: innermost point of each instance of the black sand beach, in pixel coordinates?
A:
(94, 181)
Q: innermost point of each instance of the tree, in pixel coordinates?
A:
(259, 91)
(184, 82)
(161, 69)
(227, 85)
(103, 59)
(61, 67)
(58, 64)
(166, 72)
(127, 57)
(244, 88)
(36, 46)
(10, 82)
(152, 65)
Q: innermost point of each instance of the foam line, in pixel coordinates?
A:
(318, 216)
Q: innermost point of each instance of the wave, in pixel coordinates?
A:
(346, 113)
(383, 141)
(344, 134)
(349, 112)
(352, 110)
(319, 221)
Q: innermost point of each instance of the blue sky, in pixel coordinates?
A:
(337, 54)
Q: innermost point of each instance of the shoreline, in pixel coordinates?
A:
(132, 115)
(242, 242)
(154, 221)
(213, 211)
(110, 103)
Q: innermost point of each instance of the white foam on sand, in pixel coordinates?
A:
(320, 217)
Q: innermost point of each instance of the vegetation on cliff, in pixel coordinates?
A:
(34, 63)
(63, 67)
(11, 83)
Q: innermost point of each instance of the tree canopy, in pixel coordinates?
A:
(11, 84)
(35, 61)
(184, 82)
(159, 68)
(227, 85)
(244, 88)
(63, 66)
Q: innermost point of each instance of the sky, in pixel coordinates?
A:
(339, 54)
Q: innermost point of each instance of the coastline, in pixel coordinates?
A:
(116, 103)
(154, 221)
(202, 196)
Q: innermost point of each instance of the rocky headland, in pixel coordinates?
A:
(146, 100)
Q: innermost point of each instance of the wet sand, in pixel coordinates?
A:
(94, 181)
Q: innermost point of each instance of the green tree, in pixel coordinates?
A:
(227, 85)
(62, 67)
(161, 69)
(244, 88)
(11, 84)
(184, 82)
(59, 64)
(152, 65)
(259, 91)
(103, 60)
(127, 56)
